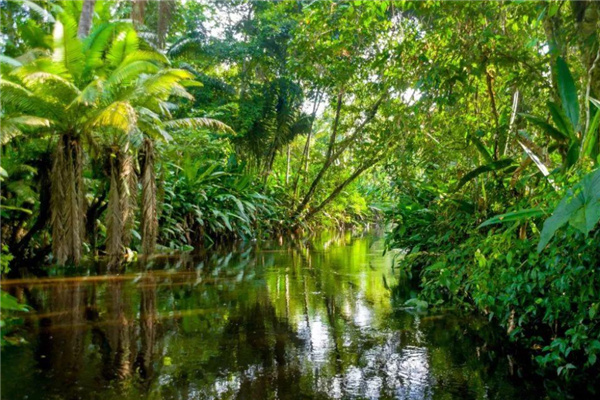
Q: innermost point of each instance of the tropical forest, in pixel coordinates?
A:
(299, 199)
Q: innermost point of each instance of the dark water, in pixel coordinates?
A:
(306, 320)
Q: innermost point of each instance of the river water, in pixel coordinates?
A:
(320, 318)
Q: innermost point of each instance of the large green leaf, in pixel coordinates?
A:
(126, 43)
(68, 50)
(494, 166)
(568, 92)
(573, 154)
(199, 123)
(513, 216)
(580, 208)
(560, 119)
(549, 129)
(96, 44)
(589, 146)
(481, 147)
(7, 302)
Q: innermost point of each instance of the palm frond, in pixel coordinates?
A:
(145, 55)
(15, 96)
(96, 44)
(30, 121)
(199, 123)
(119, 115)
(8, 131)
(166, 83)
(12, 126)
(51, 85)
(16, 99)
(90, 94)
(68, 49)
(126, 42)
(151, 124)
(126, 73)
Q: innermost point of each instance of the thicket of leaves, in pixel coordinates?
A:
(500, 210)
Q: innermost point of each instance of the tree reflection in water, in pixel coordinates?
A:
(312, 319)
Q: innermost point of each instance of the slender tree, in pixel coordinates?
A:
(86, 17)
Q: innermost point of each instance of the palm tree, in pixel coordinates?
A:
(52, 91)
(107, 89)
(141, 110)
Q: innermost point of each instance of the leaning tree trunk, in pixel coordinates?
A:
(66, 200)
(119, 217)
(149, 220)
(85, 19)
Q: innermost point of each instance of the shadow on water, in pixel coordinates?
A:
(302, 319)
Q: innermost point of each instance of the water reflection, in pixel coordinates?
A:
(311, 319)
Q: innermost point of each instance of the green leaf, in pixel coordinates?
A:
(589, 147)
(126, 43)
(68, 49)
(580, 208)
(416, 303)
(494, 166)
(514, 216)
(573, 154)
(549, 129)
(7, 302)
(13, 208)
(199, 123)
(481, 147)
(592, 359)
(568, 92)
(560, 119)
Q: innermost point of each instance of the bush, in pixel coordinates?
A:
(547, 302)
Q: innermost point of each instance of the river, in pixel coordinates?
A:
(314, 319)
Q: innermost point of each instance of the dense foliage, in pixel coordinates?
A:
(498, 208)
(137, 127)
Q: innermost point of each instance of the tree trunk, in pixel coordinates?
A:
(303, 163)
(165, 10)
(268, 167)
(306, 153)
(85, 19)
(94, 211)
(500, 136)
(287, 167)
(119, 218)
(67, 195)
(149, 220)
(339, 188)
(332, 156)
(329, 159)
